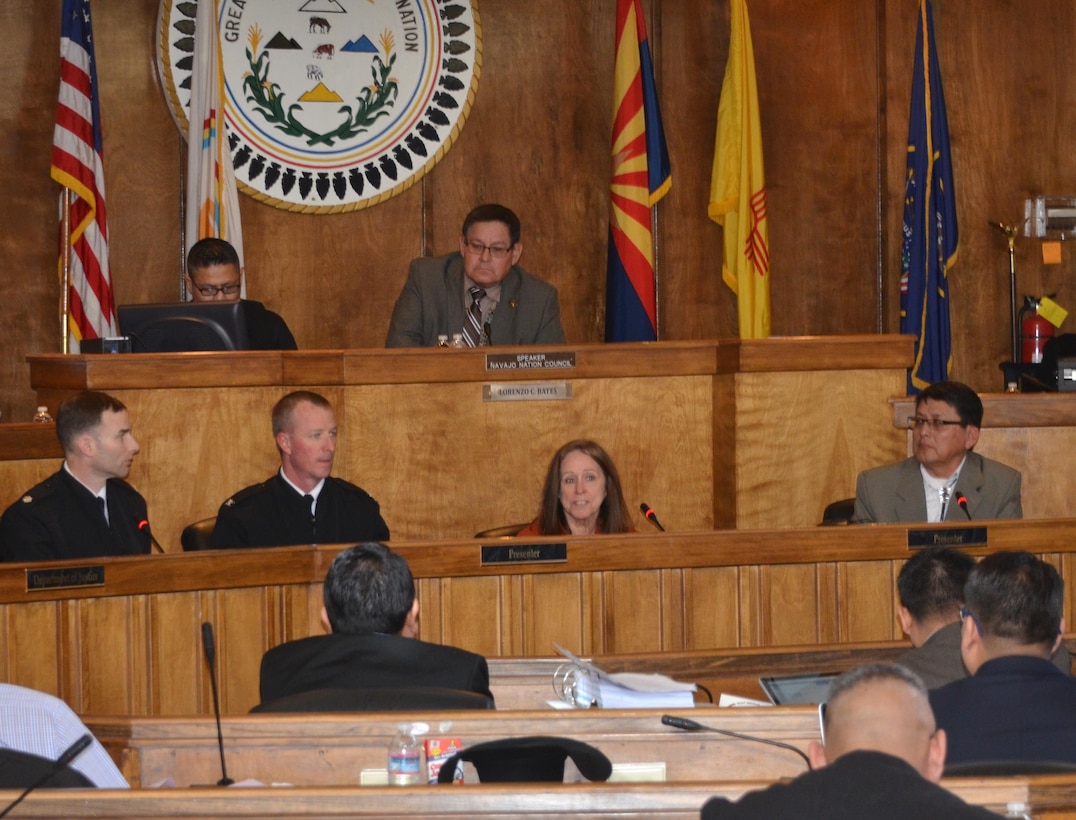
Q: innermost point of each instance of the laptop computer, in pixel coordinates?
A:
(796, 690)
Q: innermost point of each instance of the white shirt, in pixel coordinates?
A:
(43, 725)
(939, 492)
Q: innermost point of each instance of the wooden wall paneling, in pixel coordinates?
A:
(175, 645)
(828, 587)
(553, 610)
(635, 609)
(1029, 451)
(31, 630)
(711, 607)
(724, 461)
(105, 634)
(790, 604)
(478, 616)
(673, 609)
(865, 601)
(241, 642)
(836, 428)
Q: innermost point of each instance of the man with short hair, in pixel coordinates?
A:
(86, 509)
(372, 617)
(303, 503)
(943, 480)
(1016, 706)
(213, 275)
(479, 292)
(882, 758)
(931, 590)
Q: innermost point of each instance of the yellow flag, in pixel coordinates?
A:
(738, 184)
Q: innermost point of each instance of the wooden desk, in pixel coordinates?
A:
(713, 434)
(679, 592)
(1043, 796)
(332, 750)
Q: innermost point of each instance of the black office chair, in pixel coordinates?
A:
(506, 531)
(529, 759)
(20, 770)
(377, 699)
(196, 536)
(838, 513)
(1005, 768)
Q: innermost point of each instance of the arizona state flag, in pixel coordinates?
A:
(930, 237)
(738, 184)
(641, 177)
(212, 198)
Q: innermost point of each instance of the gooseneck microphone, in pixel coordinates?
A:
(962, 502)
(144, 526)
(68, 754)
(651, 516)
(210, 657)
(694, 726)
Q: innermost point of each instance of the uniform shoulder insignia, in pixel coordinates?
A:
(230, 502)
(26, 499)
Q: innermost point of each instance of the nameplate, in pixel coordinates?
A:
(524, 554)
(527, 391)
(529, 361)
(65, 578)
(962, 537)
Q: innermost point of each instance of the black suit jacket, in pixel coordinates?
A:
(266, 330)
(363, 661)
(272, 514)
(59, 518)
(431, 304)
(1012, 708)
(856, 786)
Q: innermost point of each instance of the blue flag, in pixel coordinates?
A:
(930, 236)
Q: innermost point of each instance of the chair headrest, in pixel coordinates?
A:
(529, 759)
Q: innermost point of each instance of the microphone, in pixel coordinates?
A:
(693, 726)
(144, 526)
(68, 754)
(651, 516)
(210, 656)
(962, 502)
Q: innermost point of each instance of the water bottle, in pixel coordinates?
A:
(42, 415)
(407, 758)
(442, 340)
(457, 340)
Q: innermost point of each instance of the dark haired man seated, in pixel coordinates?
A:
(372, 616)
(1016, 706)
(942, 471)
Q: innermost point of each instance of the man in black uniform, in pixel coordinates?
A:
(86, 510)
(213, 275)
(302, 503)
(372, 615)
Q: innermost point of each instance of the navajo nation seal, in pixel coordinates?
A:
(331, 105)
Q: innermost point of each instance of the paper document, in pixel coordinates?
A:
(626, 690)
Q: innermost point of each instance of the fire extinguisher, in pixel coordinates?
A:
(1035, 331)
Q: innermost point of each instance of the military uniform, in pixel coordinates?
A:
(273, 514)
(60, 518)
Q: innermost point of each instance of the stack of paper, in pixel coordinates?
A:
(627, 690)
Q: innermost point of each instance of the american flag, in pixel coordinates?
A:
(77, 165)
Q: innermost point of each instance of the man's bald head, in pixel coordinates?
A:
(883, 708)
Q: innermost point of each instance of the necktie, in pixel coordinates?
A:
(472, 328)
(104, 510)
(945, 493)
(310, 506)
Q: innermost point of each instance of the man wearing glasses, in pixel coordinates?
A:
(479, 292)
(213, 275)
(943, 480)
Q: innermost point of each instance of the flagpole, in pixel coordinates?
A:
(65, 268)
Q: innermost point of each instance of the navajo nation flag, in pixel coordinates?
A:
(929, 245)
(77, 165)
(738, 184)
(641, 177)
(212, 198)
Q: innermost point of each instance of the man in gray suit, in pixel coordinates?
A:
(479, 292)
(943, 480)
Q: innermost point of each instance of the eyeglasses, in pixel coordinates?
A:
(937, 425)
(965, 614)
(209, 291)
(495, 251)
